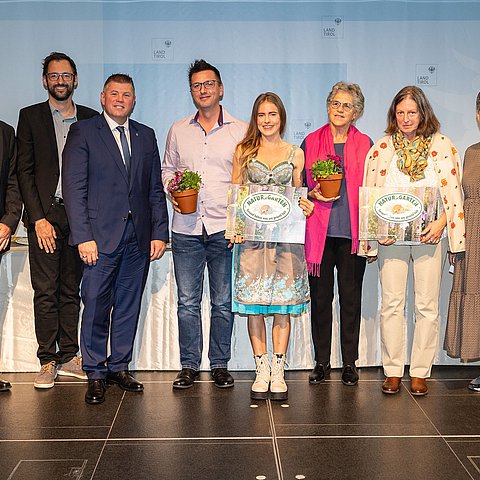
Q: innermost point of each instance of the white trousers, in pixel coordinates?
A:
(393, 263)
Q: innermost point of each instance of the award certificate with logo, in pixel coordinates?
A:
(397, 212)
(267, 213)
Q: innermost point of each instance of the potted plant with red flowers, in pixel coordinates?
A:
(328, 173)
(184, 188)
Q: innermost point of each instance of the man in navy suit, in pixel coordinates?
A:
(116, 208)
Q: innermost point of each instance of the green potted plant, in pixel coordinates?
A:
(328, 173)
(184, 188)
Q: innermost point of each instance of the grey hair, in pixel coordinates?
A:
(355, 91)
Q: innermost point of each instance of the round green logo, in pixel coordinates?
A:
(266, 207)
(398, 207)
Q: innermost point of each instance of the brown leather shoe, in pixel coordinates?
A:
(418, 386)
(391, 385)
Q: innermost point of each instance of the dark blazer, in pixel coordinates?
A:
(10, 200)
(98, 196)
(38, 167)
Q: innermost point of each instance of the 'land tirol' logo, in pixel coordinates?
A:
(266, 207)
(398, 207)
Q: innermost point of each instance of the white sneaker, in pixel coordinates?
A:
(278, 387)
(259, 390)
(73, 368)
(475, 385)
(47, 375)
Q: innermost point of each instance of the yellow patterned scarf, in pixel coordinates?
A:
(412, 156)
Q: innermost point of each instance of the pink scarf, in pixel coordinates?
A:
(318, 145)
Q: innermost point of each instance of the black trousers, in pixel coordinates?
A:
(350, 271)
(56, 302)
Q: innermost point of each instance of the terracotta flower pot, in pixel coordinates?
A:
(187, 200)
(330, 186)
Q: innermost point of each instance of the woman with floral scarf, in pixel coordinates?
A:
(414, 152)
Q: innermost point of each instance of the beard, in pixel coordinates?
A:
(52, 90)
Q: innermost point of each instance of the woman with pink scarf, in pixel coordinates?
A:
(332, 232)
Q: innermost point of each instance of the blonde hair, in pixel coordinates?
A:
(250, 144)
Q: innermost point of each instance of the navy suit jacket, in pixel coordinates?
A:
(97, 194)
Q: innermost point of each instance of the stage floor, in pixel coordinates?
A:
(327, 431)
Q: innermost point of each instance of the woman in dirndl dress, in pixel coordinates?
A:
(269, 278)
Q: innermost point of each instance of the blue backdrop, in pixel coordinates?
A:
(295, 48)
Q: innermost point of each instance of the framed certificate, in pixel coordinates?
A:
(268, 213)
(397, 212)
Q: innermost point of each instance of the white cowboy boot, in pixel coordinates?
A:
(278, 387)
(259, 389)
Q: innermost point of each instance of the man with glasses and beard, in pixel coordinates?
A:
(55, 266)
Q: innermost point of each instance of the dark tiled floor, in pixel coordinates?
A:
(326, 431)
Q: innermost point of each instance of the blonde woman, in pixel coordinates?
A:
(269, 278)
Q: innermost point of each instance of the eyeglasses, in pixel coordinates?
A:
(207, 85)
(67, 76)
(348, 107)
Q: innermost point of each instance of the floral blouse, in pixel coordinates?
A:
(448, 170)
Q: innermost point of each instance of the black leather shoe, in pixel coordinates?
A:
(125, 380)
(185, 378)
(222, 378)
(4, 385)
(95, 392)
(349, 374)
(319, 372)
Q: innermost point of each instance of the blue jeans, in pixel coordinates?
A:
(190, 255)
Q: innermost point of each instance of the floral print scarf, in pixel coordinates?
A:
(412, 156)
